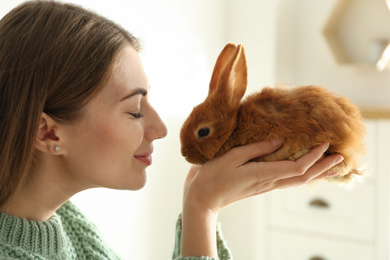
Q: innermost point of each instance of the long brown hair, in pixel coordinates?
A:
(53, 59)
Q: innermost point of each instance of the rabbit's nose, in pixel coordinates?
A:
(183, 152)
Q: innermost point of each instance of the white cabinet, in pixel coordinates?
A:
(326, 209)
(297, 247)
(327, 222)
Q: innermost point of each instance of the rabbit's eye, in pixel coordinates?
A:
(203, 132)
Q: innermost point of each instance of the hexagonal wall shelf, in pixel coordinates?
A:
(358, 31)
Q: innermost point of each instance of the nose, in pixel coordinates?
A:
(156, 129)
(183, 152)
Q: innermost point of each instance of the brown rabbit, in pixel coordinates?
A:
(304, 116)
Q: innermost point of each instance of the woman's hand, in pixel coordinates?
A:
(231, 177)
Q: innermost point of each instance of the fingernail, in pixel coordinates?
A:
(339, 159)
(277, 141)
(326, 146)
(332, 174)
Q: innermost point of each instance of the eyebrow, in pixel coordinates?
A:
(138, 91)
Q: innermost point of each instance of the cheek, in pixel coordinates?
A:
(107, 143)
(104, 144)
(118, 140)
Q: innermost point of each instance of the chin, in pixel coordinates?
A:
(137, 182)
(138, 186)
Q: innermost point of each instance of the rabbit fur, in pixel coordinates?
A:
(305, 116)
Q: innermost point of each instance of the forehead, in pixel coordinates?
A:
(127, 69)
(127, 72)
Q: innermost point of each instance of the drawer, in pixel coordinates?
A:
(293, 247)
(326, 208)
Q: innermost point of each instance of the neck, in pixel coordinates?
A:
(46, 189)
(33, 205)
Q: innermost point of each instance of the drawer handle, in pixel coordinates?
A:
(319, 203)
(317, 258)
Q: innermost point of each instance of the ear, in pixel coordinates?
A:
(220, 65)
(230, 75)
(48, 137)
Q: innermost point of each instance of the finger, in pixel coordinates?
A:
(304, 163)
(316, 172)
(279, 170)
(324, 175)
(312, 157)
(324, 165)
(241, 155)
(325, 172)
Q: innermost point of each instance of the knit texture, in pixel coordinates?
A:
(67, 235)
(223, 250)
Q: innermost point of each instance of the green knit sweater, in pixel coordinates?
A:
(67, 235)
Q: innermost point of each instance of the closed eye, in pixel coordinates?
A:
(137, 115)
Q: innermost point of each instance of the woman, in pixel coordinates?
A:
(75, 114)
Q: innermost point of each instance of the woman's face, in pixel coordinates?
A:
(111, 145)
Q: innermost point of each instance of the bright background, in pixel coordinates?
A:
(181, 40)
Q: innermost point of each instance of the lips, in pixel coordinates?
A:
(145, 158)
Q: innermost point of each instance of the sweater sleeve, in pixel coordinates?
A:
(223, 250)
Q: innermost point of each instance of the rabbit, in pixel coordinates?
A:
(304, 116)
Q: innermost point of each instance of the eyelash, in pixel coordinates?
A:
(137, 115)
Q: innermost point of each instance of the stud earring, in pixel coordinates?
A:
(57, 148)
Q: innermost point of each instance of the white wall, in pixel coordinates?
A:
(304, 58)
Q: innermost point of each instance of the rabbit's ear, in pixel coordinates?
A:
(220, 65)
(229, 79)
